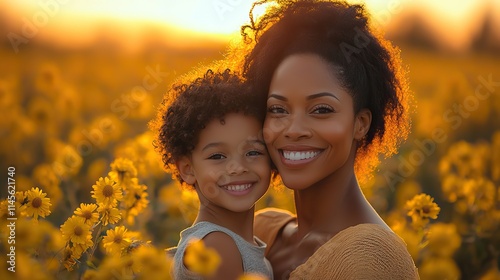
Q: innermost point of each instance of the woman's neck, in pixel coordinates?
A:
(240, 223)
(330, 205)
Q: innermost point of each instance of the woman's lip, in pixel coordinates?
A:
(298, 148)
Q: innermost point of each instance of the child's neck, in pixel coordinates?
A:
(240, 223)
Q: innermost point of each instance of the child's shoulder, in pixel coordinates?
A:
(225, 246)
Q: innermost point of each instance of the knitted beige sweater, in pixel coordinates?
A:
(364, 251)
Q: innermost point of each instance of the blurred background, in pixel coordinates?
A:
(79, 81)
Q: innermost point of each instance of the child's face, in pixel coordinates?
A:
(230, 164)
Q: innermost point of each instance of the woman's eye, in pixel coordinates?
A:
(322, 109)
(274, 109)
(216, 156)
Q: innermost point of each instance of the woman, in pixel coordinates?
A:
(336, 99)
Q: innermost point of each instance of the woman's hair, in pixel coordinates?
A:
(188, 107)
(367, 65)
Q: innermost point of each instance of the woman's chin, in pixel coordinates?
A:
(295, 184)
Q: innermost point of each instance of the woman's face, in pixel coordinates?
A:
(310, 127)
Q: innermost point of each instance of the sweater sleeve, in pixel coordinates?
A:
(268, 223)
(365, 251)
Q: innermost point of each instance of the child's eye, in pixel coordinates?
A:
(216, 156)
(322, 109)
(276, 109)
(254, 153)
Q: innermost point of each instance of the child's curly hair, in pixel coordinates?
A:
(368, 65)
(188, 107)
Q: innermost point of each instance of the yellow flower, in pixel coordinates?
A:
(38, 204)
(421, 208)
(28, 267)
(77, 231)
(88, 212)
(68, 259)
(115, 267)
(123, 171)
(443, 239)
(452, 187)
(480, 194)
(21, 203)
(200, 259)
(116, 240)
(107, 192)
(67, 162)
(488, 223)
(45, 177)
(135, 201)
(109, 214)
(78, 249)
(45, 239)
(439, 268)
(151, 263)
(136, 197)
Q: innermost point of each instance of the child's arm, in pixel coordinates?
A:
(231, 266)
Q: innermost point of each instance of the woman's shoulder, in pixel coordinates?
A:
(368, 235)
(364, 251)
(268, 223)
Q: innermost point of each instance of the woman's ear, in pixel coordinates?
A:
(186, 171)
(362, 123)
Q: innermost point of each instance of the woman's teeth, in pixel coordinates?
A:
(299, 155)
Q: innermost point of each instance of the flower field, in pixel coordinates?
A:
(84, 195)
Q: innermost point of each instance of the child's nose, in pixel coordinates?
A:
(235, 167)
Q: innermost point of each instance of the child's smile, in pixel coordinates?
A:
(230, 163)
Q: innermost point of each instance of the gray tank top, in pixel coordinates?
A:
(252, 255)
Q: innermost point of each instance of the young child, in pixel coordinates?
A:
(209, 133)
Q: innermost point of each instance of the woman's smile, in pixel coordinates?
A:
(292, 156)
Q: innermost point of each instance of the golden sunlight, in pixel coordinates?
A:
(83, 22)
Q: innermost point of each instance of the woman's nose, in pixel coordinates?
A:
(297, 128)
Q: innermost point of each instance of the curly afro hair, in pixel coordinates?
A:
(367, 65)
(188, 107)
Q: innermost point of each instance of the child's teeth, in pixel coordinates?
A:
(237, 188)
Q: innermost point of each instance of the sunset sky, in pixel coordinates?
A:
(453, 20)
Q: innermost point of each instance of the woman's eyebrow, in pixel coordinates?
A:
(321, 94)
(279, 97)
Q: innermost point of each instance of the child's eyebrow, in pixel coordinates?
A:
(214, 144)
